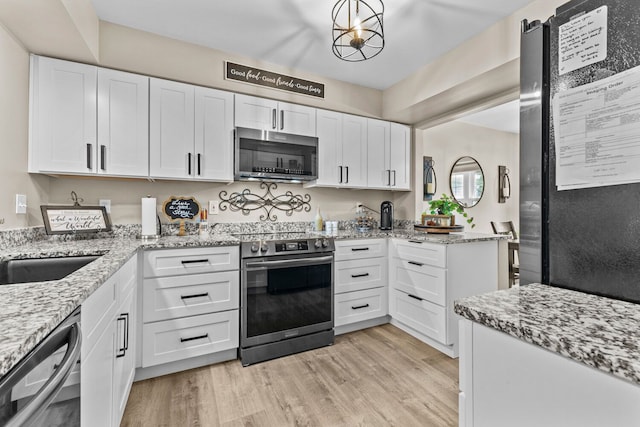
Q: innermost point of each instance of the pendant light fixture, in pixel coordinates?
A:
(358, 33)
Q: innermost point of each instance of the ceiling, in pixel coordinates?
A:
(504, 117)
(297, 33)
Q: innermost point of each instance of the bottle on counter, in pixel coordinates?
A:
(318, 221)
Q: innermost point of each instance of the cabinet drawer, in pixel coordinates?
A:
(421, 280)
(182, 296)
(178, 339)
(359, 249)
(356, 306)
(422, 252)
(425, 317)
(173, 262)
(360, 274)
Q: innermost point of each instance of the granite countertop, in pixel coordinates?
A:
(600, 332)
(28, 312)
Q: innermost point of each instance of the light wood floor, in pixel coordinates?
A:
(375, 377)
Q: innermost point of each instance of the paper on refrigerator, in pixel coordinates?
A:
(597, 132)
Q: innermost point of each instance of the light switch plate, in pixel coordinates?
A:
(214, 207)
(21, 204)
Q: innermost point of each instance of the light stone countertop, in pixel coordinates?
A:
(29, 312)
(600, 332)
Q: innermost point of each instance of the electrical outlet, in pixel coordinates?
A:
(107, 204)
(21, 204)
(214, 207)
(358, 207)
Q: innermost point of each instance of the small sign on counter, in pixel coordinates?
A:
(75, 219)
(181, 209)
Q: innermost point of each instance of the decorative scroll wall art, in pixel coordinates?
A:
(247, 202)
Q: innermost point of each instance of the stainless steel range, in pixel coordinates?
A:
(286, 295)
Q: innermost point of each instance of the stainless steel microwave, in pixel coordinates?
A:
(275, 156)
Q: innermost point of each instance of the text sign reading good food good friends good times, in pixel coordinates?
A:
(260, 77)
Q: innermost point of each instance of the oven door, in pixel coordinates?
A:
(285, 296)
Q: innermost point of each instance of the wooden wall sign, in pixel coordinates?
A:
(265, 78)
(75, 219)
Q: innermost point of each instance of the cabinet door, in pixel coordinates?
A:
(296, 119)
(63, 116)
(256, 113)
(400, 157)
(171, 127)
(354, 151)
(123, 123)
(329, 147)
(125, 349)
(378, 170)
(213, 134)
(96, 403)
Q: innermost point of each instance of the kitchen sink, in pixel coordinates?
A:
(41, 269)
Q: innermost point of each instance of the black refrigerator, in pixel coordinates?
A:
(580, 149)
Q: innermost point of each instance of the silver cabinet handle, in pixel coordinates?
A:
(388, 176)
(273, 118)
(394, 178)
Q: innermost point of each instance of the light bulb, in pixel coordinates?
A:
(358, 26)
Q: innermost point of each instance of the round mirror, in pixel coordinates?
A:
(467, 181)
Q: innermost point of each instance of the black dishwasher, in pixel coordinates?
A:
(43, 389)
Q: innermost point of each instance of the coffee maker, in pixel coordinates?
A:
(386, 215)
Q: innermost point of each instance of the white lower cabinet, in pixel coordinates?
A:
(108, 348)
(426, 278)
(361, 297)
(190, 305)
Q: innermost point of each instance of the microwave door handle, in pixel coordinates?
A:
(53, 385)
(289, 262)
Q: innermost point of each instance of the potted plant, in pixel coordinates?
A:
(448, 206)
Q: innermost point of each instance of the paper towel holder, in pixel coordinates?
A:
(158, 229)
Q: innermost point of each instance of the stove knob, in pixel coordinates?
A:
(264, 247)
(317, 244)
(254, 247)
(325, 243)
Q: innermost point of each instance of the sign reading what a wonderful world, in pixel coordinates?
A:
(75, 219)
(260, 77)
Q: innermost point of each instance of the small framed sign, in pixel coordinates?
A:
(75, 219)
(181, 208)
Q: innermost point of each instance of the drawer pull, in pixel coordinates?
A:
(356, 307)
(194, 295)
(199, 337)
(415, 263)
(194, 261)
(415, 241)
(415, 297)
(360, 275)
(359, 249)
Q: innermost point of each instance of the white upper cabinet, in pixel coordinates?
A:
(63, 109)
(341, 150)
(260, 113)
(87, 120)
(123, 123)
(191, 132)
(214, 134)
(389, 154)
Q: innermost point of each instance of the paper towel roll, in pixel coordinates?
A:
(149, 216)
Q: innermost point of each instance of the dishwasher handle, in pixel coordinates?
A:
(68, 334)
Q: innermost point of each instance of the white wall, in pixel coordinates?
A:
(448, 142)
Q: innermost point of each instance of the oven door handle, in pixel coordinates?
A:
(288, 262)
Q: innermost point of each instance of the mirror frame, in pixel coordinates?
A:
(483, 181)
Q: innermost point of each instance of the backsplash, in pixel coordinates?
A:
(21, 236)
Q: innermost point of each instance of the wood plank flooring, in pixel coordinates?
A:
(375, 377)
